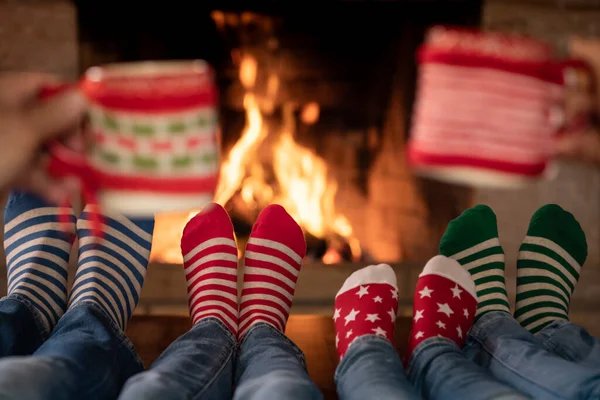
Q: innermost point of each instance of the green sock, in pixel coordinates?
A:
(472, 240)
(548, 267)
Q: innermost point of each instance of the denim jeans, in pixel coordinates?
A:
(22, 331)
(550, 365)
(372, 369)
(271, 366)
(206, 363)
(571, 342)
(198, 365)
(439, 370)
(86, 356)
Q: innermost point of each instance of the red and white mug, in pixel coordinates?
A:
(488, 108)
(153, 132)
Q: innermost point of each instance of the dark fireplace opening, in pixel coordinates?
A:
(329, 90)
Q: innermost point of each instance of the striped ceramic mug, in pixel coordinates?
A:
(488, 107)
(153, 131)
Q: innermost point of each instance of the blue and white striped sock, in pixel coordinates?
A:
(37, 246)
(112, 268)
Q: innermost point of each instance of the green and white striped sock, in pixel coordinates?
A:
(472, 240)
(548, 267)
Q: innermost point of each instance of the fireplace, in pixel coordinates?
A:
(315, 106)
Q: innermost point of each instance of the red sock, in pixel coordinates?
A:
(273, 258)
(444, 305)
(210, 261)
(366, 304)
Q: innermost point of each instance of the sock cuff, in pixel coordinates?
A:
(452, 270)
(373, 274)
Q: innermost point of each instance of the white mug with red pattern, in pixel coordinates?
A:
(488, 108)
(153, 130)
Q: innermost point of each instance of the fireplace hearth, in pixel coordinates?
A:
(315, 107)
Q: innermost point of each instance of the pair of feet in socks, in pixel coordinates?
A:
(111, 268)
(467, 281)
(273, 257)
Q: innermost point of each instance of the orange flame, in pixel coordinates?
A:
(302, 183)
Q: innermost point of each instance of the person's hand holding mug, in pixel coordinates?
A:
(26, 125)
(583, 97)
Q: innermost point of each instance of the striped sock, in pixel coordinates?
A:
(548, 267)
(472, 240)
(210, 261)
(273, 259)
(111, 269)
(37, 250)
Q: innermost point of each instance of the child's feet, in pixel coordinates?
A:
(37, 245)
(273, 258)
(444, 303)
(472, 240)
(210, 261)
(548, 267)
(112, 268)
(366, 304)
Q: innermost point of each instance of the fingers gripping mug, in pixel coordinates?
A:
(153, 131)
(488, 108)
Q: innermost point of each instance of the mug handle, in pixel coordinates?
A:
(571, 70)
(558, 73)
(65, 162)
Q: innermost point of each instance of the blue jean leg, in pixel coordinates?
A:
(86, 357)
(518, 358)
(439, 370)
(372, 369)
(198, 365)
(22, 331)
(271, 366)
(572, 343)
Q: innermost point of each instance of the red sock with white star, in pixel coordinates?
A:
(274, 254)
(366, 304)
(444, 305)
(210, 262)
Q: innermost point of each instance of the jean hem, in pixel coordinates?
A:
(232, 338)
(37, 317)
(205, 386)
(545, 336)
(354, 345)
(426, 344)
(115, 329)
(299, 354)
(479, 330)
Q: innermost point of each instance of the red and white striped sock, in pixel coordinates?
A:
(210, 261)
(274, 255)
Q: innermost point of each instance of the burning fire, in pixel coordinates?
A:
(265, 167)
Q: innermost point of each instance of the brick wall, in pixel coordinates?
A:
(39, 35)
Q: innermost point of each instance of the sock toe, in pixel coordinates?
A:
(480, 219)
(275, 222)
(380, 273)
(553, 222)
(450, 269)
(212, 221)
